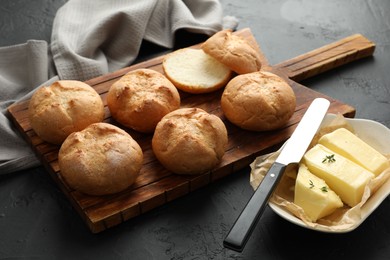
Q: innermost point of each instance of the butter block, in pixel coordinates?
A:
(345, 177)
(314, 196)
(355, 149)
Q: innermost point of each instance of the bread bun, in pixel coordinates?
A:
(239, 54)
(141, 98)
(101, 159)
(258, 101)
(62, 108)
(189, 141)
(193, 71)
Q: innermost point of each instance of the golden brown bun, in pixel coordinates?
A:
(101, 159)
(63, 108)
(239, 54)
(194, 71)
(141, 98)
(258, 101)
(190, 141)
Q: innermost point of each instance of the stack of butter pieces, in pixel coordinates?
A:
(335, 172)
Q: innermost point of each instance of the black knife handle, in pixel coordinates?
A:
(245, 223)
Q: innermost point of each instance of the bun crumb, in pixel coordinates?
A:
(194, 71)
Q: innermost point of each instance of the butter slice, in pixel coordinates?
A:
(355, 149)
(345, 177)
(314, 196)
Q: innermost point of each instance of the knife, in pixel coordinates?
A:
(292, 152)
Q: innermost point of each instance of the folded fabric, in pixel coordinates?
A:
(22, 68)
(91, 38)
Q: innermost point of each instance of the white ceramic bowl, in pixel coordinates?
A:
(376, 135)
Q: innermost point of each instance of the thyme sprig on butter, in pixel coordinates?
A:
(323, 188)
(311, 184)
(329, 159)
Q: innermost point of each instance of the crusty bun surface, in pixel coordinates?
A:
(141, 98)
(101, 159)
(190, 141)
(236, 52)
(62, 108)
(194, 71)
(258, 101)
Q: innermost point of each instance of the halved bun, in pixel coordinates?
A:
(239, 54)
(194, 71)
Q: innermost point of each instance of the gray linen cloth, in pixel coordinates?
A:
(90, 38)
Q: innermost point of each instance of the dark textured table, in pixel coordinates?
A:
(37, 221)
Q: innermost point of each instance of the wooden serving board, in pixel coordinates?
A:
(155, 185)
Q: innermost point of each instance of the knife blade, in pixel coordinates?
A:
(292, 152)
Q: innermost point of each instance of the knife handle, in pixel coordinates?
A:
(245, 223)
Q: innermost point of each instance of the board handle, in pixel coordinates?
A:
(327, 57)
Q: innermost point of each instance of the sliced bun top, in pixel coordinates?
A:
(239, 54)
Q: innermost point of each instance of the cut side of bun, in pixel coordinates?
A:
(239, 54)
(194, 71)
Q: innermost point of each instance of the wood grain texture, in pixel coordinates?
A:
(156, 186)
(327, 57)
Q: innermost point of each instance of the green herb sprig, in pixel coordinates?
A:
(323, 188)
(329, 159)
